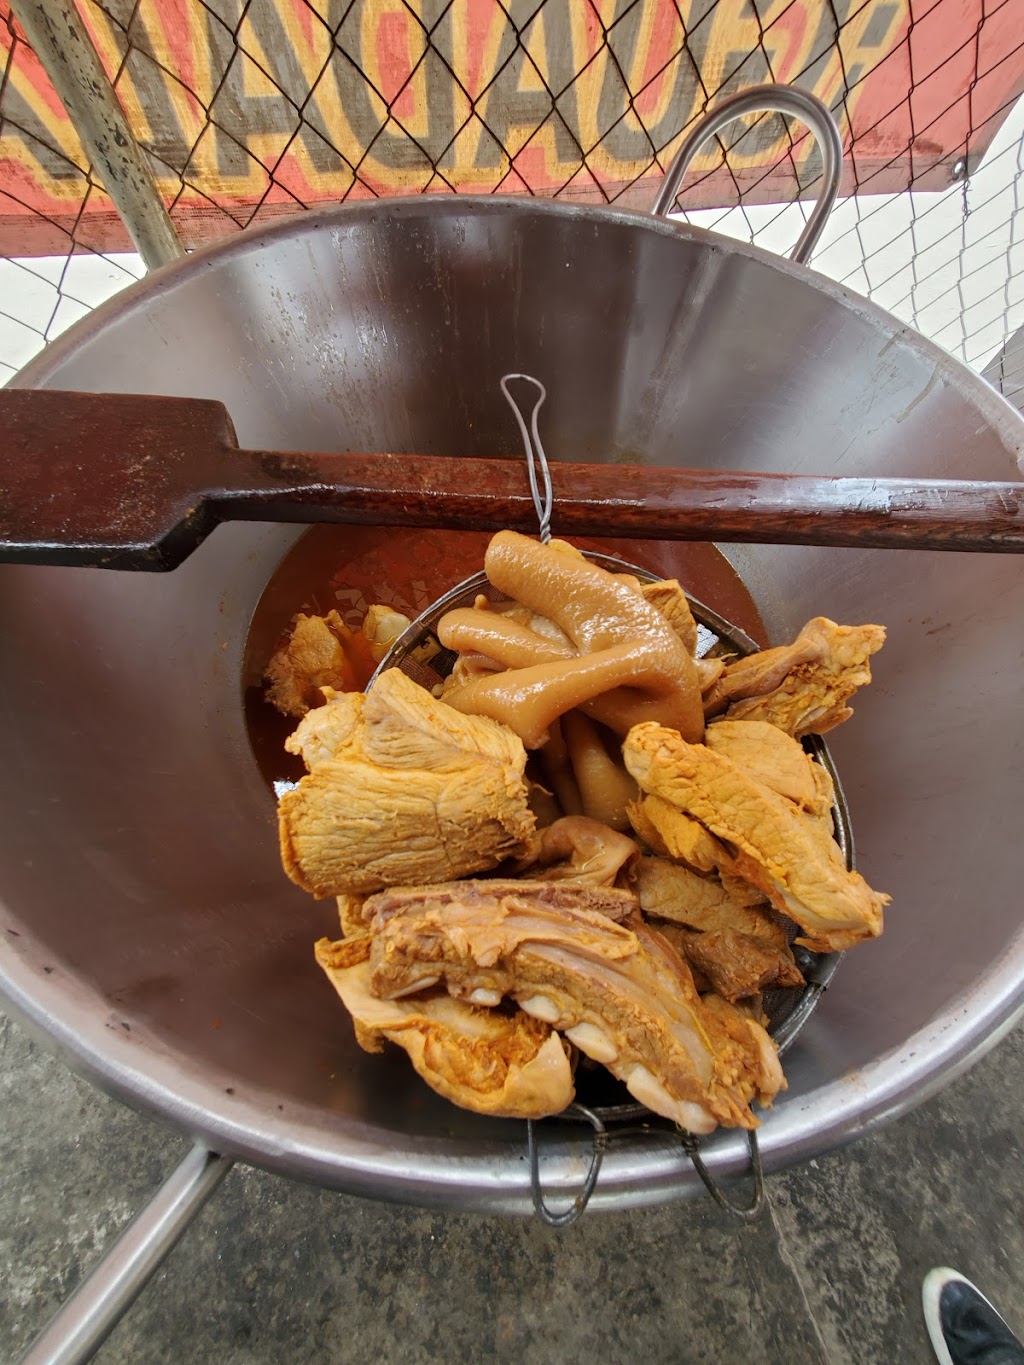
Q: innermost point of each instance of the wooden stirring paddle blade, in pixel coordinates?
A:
(131, 481)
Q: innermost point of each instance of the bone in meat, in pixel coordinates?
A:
(508, 1065)
(622, 995)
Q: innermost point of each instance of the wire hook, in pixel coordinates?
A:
(598, 1148)
(535, 457)
(755, 1208)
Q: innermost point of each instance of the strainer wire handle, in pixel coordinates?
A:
(598, 1148)
(536, 460)
(746, 1214)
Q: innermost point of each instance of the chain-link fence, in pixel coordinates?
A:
(249, 109)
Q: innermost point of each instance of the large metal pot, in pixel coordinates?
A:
(146, 925)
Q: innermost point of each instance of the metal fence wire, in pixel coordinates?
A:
(250, 109)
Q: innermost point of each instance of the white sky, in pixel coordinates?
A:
(959, 280)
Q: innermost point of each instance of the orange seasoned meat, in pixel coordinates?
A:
(507, 1065)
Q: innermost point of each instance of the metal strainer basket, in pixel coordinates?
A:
(419, 653)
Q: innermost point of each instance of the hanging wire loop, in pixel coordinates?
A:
(755, 1208)
(536, 460)
(599, 1146)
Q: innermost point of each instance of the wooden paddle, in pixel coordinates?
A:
(130, 481)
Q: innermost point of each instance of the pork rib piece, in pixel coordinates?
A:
(620, 992)
(508, 1065)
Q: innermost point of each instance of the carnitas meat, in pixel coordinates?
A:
(320, 652)
(507, 1065)
(802, 688)
(401, 789)
(785, 852)
(733, 964)
(620, 992)
(772, 757)
(670, 891)
(739, 949)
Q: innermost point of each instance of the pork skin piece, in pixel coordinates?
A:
(802, 688)
(785, 852)
(506, 1065)
(578, 849)
(620, 993)
(401, 789)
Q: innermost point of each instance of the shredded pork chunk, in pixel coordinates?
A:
(739, 949)
(401, 789)
(320, 652)
(734, 964)
(669, 891)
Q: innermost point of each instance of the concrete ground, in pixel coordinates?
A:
(274, 1271)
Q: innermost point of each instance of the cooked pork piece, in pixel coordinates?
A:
(669, 891)
(667, 831)
(734, 964)
(668, 597)
(320, 652)
(350, 916)
(580, 850)
(786, 853)
(621, 994)
(508, 1065)
(325, 731)
(803, 688)
(737, 948)
(402, 789)
(774, 758)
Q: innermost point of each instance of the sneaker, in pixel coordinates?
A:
(963, 1326)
